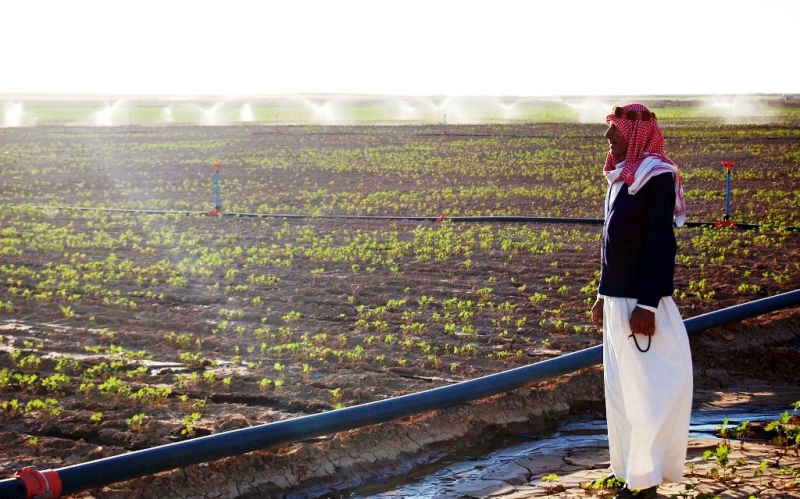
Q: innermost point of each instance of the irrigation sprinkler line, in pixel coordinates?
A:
(413, 218)
(80, 477)
(489, 135)
(110, 130)
(431, 134)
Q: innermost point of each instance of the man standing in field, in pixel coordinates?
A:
(646, 356)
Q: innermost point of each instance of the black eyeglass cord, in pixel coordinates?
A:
(649, 341)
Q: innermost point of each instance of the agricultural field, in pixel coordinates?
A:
(130, 318)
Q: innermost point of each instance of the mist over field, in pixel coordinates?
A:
(329, 109)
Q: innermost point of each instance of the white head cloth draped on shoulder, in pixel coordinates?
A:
(645, 157)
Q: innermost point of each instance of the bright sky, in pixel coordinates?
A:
(400, 47)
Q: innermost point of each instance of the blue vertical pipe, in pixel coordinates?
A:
(114, 469)
(728, 197)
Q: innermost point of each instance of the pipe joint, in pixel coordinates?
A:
(40, 484)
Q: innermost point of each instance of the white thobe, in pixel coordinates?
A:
(648, 394)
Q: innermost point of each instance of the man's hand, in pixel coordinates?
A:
(597, 313)
(643, 322)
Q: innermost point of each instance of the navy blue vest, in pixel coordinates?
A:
(638, 248)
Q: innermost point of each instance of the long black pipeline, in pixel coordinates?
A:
(494, 219)
(135, 464)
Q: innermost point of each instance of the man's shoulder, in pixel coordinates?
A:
(661, 180)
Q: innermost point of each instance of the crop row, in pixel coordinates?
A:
(382, 171)
(138, 316)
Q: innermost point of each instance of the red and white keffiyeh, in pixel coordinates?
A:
(645, 140)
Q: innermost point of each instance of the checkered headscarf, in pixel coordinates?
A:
(644, 139)
(639, 127)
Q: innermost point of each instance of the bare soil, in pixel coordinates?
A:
(327, 297)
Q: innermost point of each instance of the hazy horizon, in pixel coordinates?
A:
(21, 96)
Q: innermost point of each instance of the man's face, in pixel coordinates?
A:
(617, 143)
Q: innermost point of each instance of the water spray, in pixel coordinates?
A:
(726, 220)
(276, 131)
(217, 205)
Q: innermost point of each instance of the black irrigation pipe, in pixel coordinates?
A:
(30, 482)
(433, 134)
(277, 132)
(493, 219)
